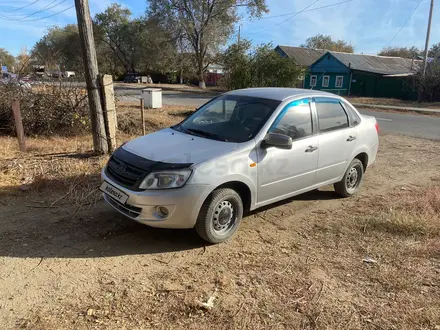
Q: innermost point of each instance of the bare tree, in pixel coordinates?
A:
(204, 24)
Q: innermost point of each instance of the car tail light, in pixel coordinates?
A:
(377, 127)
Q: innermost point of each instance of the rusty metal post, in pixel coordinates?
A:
(18, 125)
(142, 116)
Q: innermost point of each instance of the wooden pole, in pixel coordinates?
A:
(142, 116)
(18, 125)
(92, 76)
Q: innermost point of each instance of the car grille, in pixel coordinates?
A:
(125, 174)
(128, 210)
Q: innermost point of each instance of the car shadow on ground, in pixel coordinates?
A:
(313, 195)
(91, 229)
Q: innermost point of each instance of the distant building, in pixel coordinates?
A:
(363, 75)
(214, 73)
(303, 57)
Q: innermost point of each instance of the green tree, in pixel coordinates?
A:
(261, 67)
(269, 69)
(434, 51)
(110, 29)
(236, 63)
(130, 44)
(205, 25)
(321, 41)
(59, 49)
(7, 59)
(406, 52)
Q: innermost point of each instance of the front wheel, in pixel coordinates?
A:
(220, 216)
(350, 183)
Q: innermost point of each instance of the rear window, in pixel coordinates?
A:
(354, 117)
(331, 115)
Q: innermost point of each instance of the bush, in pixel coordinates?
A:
(45, 109)
(260, 67)
(430, 85)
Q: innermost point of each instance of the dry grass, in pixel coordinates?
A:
(57, 164)
(129, 117)
(63, 169)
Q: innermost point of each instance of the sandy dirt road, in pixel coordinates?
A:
(294, 265)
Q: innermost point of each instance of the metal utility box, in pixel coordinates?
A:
(152, 98)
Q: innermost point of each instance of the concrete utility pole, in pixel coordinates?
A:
(91, 74)
(425, 60)
(239, 35)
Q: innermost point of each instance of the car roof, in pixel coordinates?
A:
(278, 93)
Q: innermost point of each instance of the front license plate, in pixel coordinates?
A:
(113, 192)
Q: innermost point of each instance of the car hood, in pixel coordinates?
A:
(171, 146)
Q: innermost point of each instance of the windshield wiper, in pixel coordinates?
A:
(207, 134)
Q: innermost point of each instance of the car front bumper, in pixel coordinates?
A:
(183, 204)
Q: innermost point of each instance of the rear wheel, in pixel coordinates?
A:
(351, 182)
(220, 216)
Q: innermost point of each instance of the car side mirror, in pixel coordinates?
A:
(276, 140)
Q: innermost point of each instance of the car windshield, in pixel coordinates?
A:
(230, 118)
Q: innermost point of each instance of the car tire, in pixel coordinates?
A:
(220, 216)
(352, 180)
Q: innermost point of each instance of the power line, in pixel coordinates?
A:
(49, 6)
(292, 16)
(38, 19)
(306, 9)
(42, 18)
(296, 14)
(30, 4)
(404, 24)
(288, 14)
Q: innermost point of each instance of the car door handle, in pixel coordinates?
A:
(351, 138)
(311, 149)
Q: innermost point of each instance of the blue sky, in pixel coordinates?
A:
(368, 24)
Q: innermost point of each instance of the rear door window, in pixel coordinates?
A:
(331, 115)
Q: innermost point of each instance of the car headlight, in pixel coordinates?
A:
(165, 180)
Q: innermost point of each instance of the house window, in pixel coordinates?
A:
(339, 81)
(325, 81)
(313, 81)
